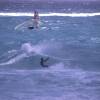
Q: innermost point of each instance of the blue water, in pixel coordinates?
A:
(73, 45)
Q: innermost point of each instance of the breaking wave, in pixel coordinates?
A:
(52, 14)
(28, 50)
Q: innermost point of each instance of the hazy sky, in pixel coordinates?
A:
(49, 0)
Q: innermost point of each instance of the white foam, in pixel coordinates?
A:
(57, 67)
(27, 47)
(12, 51)
(41, 49)
(13, 60)
(27, 50)
(51, 14)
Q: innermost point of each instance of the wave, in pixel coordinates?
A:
(28, 50)
(13, 60)
(52, 14)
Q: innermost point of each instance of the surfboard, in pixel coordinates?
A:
(29, 24)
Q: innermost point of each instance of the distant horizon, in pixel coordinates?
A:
(50, 0)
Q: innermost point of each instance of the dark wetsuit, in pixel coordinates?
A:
(42, 62)
(30, 27)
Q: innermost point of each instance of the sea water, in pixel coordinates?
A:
(72, 43)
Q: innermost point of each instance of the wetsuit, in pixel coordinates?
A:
(35, 21)
(43, 61)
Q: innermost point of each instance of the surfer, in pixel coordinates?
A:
(33, 23)
(43, 61)
(36, 19)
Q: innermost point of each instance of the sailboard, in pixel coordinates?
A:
(29, 24)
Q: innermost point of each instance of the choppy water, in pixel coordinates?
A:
(72, 41)
(47, 84)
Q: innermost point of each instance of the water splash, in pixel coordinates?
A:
(27, 50)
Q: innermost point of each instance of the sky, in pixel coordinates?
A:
(19, 1)
(48, 0)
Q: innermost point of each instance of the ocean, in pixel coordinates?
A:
(69, 34)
